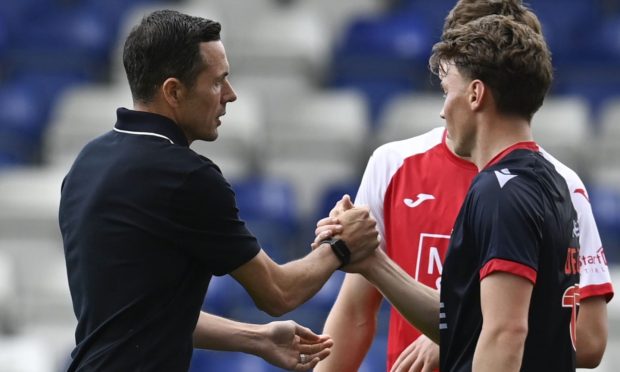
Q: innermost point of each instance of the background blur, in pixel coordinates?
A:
(321, 83)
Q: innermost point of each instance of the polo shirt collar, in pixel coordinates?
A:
(149, 124)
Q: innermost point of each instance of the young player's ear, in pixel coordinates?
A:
(477, 94)
(172, 90)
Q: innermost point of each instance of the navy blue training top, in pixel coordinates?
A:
(517, 218)
(145, 222)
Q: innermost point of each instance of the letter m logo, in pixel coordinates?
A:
(431, 254)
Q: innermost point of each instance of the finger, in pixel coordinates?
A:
(346, 202)
(321, 354)
(332, 229)
(308, 365)
(310, 349)
(305, 334)
(327, 221)
(417, 366)
(406, 358)
(427, 368)
(322, 339)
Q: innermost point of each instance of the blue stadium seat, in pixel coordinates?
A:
(224, 295)
(606, 209)
(376, 357)
(269, 208)
(23, 112)
(569, 35)
(333, 193)
(209, 361)
(65, 39)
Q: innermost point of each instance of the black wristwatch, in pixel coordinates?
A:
(340, 249)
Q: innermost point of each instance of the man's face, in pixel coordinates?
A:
(205, 103)
(456, 110)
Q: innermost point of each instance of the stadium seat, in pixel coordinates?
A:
(225, 295)
(608, 136)
(377, 91)
(409, 115)
(268, 205)
(23, 115)
(568, 35)
(8, 288)
(81, 114)
(65, 40)
(605, 201)
(321, 141)
(207, 361)
(330, 125)
(287, 40)
(391, 46)
(376, 358)
(562, 127)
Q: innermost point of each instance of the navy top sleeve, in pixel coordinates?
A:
(508, 222)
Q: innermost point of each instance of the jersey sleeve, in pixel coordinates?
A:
(507, 227)
(208, 223)
(594, 279)
(381, 166)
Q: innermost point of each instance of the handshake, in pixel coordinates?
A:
(351, 232)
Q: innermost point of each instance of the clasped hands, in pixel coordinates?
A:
(356, 227)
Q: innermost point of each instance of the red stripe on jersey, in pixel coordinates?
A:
(582, 192)
(498, 264)
(528, 145)
(596, 290)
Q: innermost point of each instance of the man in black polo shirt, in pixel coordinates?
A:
(146, 222)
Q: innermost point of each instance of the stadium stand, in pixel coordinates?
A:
(320, 84)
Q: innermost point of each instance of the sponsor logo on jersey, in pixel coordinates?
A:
(421, 198)
(582, 192)
(571, 266)
(575, 229)
(570, 299)
(598, 259)
(432, 251)
(503, 176)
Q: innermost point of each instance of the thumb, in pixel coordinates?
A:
(346, 202)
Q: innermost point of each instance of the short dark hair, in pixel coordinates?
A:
(467, 10)
(509, 57)
(165, 44)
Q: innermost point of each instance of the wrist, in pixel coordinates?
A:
(340, 250)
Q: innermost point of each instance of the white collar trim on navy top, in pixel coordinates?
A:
(144, 134)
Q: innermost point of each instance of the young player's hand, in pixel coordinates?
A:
(421, 356)
(330, 226)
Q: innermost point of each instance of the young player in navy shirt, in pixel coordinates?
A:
(508, 294)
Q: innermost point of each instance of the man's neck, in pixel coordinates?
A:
(496, 135)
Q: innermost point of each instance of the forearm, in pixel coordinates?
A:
(216, 333)
(499, 350)
(591, 332)
(352, 324)
(282, 288)
(418, 303)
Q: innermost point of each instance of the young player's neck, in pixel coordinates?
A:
(497, 134)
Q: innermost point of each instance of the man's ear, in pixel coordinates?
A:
(173, 91)
(478, 93)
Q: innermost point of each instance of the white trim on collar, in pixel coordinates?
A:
(143, 134)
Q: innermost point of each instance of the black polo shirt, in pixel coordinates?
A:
(146, 222)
